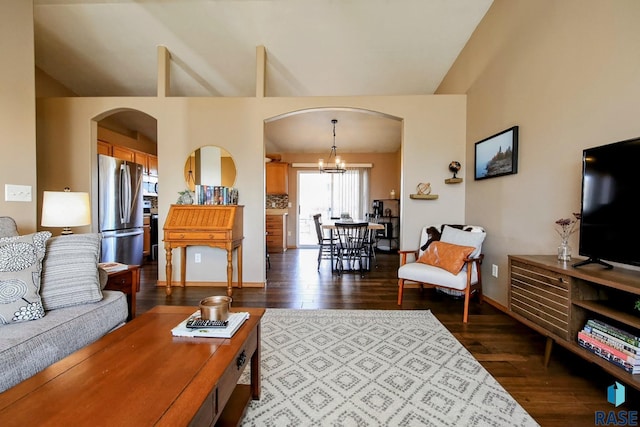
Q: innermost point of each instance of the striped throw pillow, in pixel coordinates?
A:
(70, 271)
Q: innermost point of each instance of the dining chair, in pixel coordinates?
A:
(372, 241)
(352, 246)
(325, 244)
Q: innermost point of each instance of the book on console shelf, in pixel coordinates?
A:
(614, 332)
(621, 354)
(112, 267)
(614, 342)
(235, 320)
(618, 358)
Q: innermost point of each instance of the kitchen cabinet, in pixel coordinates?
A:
(146, 245)
(142, 159)
(153, 165)
(277, 175)
(105, 148)
(276, 226)
(123, 153)
(148, 161)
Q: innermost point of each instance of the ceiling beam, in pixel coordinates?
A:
(164, 66)
(261, 65)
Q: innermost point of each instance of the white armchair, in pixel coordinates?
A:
(449, 258)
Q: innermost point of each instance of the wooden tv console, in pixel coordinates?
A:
(556, 300)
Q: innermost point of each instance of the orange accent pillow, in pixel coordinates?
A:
(446, 255)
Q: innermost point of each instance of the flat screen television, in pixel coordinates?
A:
(609, 228)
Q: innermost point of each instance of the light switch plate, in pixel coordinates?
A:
(17, 193)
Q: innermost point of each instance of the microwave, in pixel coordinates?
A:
(149, 186)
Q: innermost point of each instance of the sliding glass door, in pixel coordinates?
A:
(330, 195)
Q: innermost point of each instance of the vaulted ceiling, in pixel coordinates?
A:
(314, 48)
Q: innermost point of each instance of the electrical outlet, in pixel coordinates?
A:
(289, 204)
(494, 270)
(289, 233)
(198, 258)
(273, 204)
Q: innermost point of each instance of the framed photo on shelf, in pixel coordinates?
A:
(497, 155)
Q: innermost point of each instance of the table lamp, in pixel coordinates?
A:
(65, 209)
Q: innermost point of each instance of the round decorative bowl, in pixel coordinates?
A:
(215, 308)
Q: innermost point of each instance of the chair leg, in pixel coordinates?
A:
(400, 289)
(479, 284)
(467, 296)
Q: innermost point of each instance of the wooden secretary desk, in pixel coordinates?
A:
(218, 226)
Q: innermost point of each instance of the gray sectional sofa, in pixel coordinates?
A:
(70, 311)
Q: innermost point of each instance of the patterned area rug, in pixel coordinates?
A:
(373, 368)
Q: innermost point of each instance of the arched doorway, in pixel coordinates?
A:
(366, 138)
(125, 208)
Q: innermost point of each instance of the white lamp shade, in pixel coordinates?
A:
(65, 209)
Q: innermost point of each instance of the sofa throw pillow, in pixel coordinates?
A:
(446, 255)
(8, 227)
(464, 238)
(70, 271)
(20, 270)
(104, 277)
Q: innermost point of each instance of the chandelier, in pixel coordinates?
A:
(336, 166)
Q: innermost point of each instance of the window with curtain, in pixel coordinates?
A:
(330, 195)
(350, 193)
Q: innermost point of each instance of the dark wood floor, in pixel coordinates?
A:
(566, 393)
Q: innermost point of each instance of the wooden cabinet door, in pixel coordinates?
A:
(142, 159)
(276, 226)
(146, 242)
(277, 176)
(123, 153)
(153, 165)
(104, 148)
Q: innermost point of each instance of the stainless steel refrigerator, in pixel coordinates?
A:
(120, 211)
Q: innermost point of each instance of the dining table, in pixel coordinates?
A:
(331, 226)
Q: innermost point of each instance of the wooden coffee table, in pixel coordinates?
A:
(141, 375)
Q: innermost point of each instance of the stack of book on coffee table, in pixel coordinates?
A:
(234, 322)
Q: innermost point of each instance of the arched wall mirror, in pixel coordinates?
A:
(209, 165)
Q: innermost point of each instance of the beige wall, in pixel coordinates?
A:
(566, 72)
(47, 86)
(433, 133)
(17, 109)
